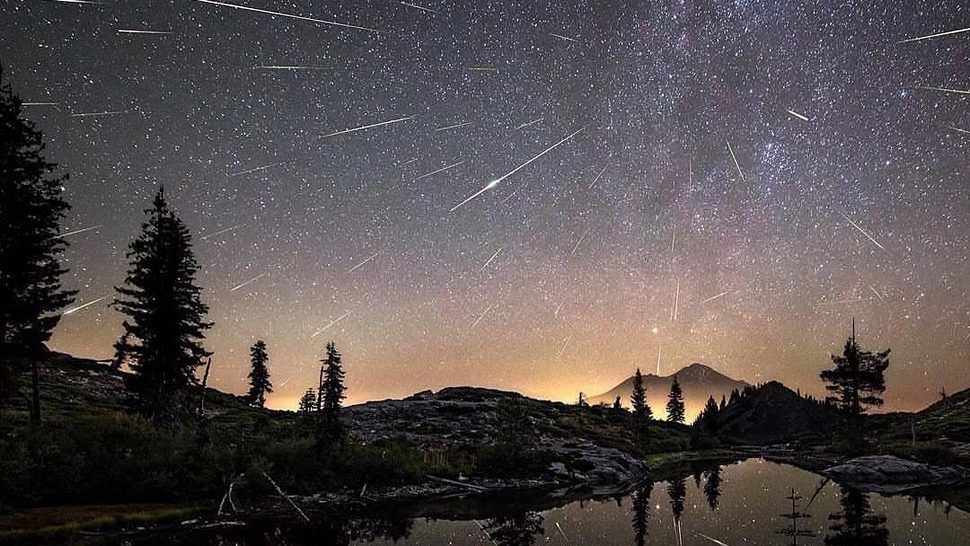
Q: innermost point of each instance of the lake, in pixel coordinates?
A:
(742, 503)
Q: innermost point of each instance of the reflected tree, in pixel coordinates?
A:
(712, 487)
(641, 513)
(677, 491)
(522, 529)
(855, 524)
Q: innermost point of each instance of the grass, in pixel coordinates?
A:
(51, 522)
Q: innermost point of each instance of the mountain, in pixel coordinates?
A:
(698, 381)
(773, 413)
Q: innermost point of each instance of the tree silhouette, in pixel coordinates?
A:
(638, 399)
(617, 404)
(712, 487)
(856, 525)
(677, 491)
(707, 419)
(166, 316)
(858, 379)
(641, 513)
(308, 402)
(521, 529)
(259, 383)
(675, 403)
(31, 210)
(331, 396)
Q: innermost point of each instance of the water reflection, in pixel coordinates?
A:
(522, 529)
(641, 513)
(856, 524)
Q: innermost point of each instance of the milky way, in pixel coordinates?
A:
(746, 177)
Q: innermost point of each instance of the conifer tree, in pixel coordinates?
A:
(858, 379)
(259, 383)
(166, 317)
(31, 210)
(638, 399)
(617, 404)
(675, 403)
(332, 395)
(308, 402)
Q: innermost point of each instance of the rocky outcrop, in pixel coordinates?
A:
(889, 474)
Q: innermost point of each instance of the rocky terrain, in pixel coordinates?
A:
(771, 414)
(889, 474)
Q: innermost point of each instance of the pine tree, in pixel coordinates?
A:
(708, 416)
(31, 209)
(259, 384)
(675, 403)
(638, 399)
(308, 402)
(122, 348)
(858, 377)
(617, 404)
(166, 317)
(332, 396)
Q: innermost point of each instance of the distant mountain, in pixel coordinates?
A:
(773, 413)
(698, 381)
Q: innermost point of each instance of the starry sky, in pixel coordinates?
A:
(538, 196)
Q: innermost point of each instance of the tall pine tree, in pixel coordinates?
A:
(31, 209)
(332, 394)
(858, 378)
(675, 403)
(638, 399)
(166, 317)
(259, 383)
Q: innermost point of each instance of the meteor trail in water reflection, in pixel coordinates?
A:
(496, 182)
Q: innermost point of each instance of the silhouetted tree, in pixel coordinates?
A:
(259, 383)
(31, 210)
(638, 399)
(712, 487)
(856, 525)
(522, 529)
(332, 395)
(858, 377)
(122, 349)
(675, 403)
(581, 402)
(166, 316)
(677, 491)
(723, 403)
(641, 513)
(707, 419)
(617, 404)
(308, 402)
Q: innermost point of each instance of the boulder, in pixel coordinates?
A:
(889, 474)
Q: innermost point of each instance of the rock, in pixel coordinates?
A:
(889, 474)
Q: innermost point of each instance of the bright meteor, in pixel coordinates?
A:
(496, 182)
(250, 281)
(83, 305)
(937, 35)
(797, 115)
(441, 170)
(287, 15)
(358, 266)
(329, 325)
(365, 127)
(864, 232)
(75, 232)
(736, 164)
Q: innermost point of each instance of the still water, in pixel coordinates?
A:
(742, 503)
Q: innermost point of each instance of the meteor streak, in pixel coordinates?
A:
(944, 89)
(496, 182)
(673, 312)
(481, 69)
(528, 123)
(358, 266)
(561, 37)
(878, 295)
(288, 15)
(250, 281)
(39, 103)
(565, 344)
(490, 260)
(75, 232)
(455, 126)
(441, 170)
(83, 305)
(329, 325)
(595, 180)
(364, 127)
(220, 232)
(714, 540)
(718, 296)
(76, 2)
(951, 127)
(289, 67)
(422, 8)
(136, 31)
(480, 317)
(797, 115)
(578, 242)
(862, 231)
(254, 169)
(736, 164)
(96, 114)
(937, 35)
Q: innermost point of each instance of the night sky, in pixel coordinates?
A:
(537, 196)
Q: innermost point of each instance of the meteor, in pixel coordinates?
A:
(76, 2)
(561, 531)
(287, 15)
(441, 170)
(579, 242)
(565, 344)
(417, 7)
(358, 266)
(490, 260)
(136, 31)
(289, 67)
(659, 347)
(559, 308)
(943, 89)
(39, 103)
(250, 281)
(862, 231)
(481, 69)
(220, 232)
(714, 540)
(83, 305)
(480, 317)
(528, 123)
(951, 127)
(97, 114)
(561, 37)
(937, 35)
(797, 115)
(595, 180)
(455, 126)
(364, 127)
(673, 312)
(736, 164)
(717, 296)
(332, 323)
(75, 232)
(496, 182)
(878, 295)
(254, 169)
